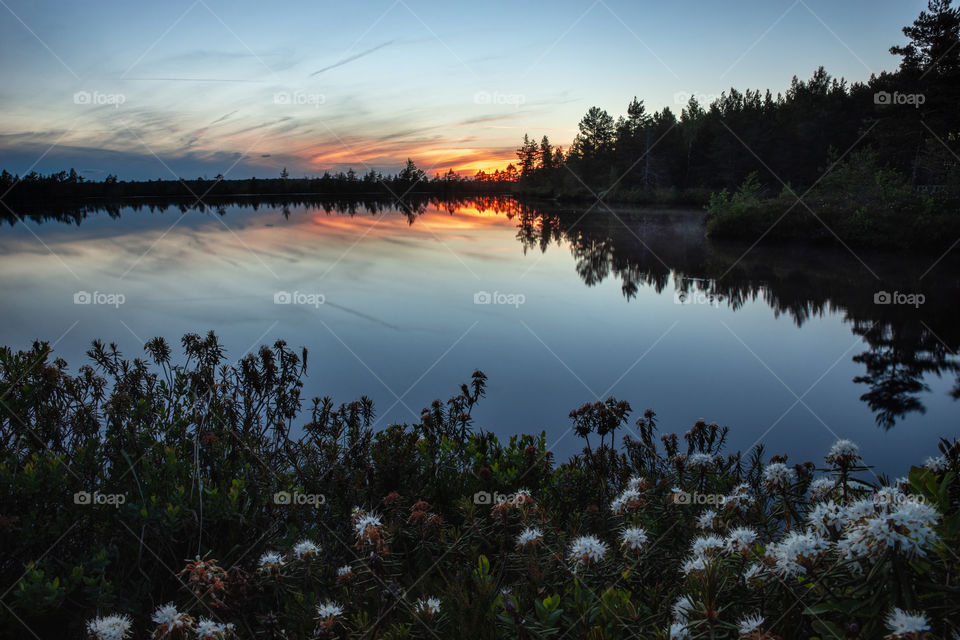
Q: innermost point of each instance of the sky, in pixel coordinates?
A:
(199, 87)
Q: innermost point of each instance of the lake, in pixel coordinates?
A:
(791, 347)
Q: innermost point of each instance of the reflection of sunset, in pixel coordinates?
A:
(432, 220)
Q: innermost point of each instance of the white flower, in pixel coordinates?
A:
(682, 609)
(345, 570)
(796, 548)
(705, 520)
(207, 629)
(936, 464)
(701, 460)
(366, 526)
(749, 624)
(116, 627)
(329, 609)
(305, 548)
(903, 623)
(636, 482)
(740, 498)
(843, 452)
(633, 538)
(706, 545)
(822, 488)
(696, 563)
(779, 476)
(740, 540)
(678, 631)
(427, 606)
(530, 535)
(860, 509)
(826, 517)
(365, 522)
(167, 616)
(754, 571)
(908, 528)
(627, 498)
(587, 549)
(270, 560)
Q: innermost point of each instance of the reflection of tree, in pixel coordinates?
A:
(904, 342)
(900, 355)
(412, 206)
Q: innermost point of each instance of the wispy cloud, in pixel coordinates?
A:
(223, 117)
(356, 56)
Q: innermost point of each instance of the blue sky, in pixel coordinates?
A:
(153, 90)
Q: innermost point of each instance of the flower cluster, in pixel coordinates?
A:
(429, 607)
(529, 537)
(368, 528)
(872, 528)
(305, 549)
(768, 543)
(779, 477)
(796, 553)
(116, 627)
(170, 622)
(631, 497)
(586, 551)
(633, 539)
(844, 454)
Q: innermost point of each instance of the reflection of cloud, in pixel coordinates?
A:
(340, 63)
(361, 315)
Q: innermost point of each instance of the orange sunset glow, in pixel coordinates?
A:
(464, 161)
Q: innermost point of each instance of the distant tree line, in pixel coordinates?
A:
(910, 119)
(33, 189)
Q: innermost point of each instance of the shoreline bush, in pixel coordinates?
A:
(858, 203)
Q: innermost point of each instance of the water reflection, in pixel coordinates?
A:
(661, 250)
(906, 342)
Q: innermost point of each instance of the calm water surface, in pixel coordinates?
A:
(558, 308)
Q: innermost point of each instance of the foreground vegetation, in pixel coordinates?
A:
(175, 500)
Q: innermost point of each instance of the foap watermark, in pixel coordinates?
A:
(96, 98)
(294, 498)
(684, 497)
(697, 297)
(485, 497)
(299, 297)
(885, 297)
(99, 499)
(683, 97)
(896, 499)
(512, 299)
(510, 99)
(99, 297)
(299, 98)
(885, 97)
